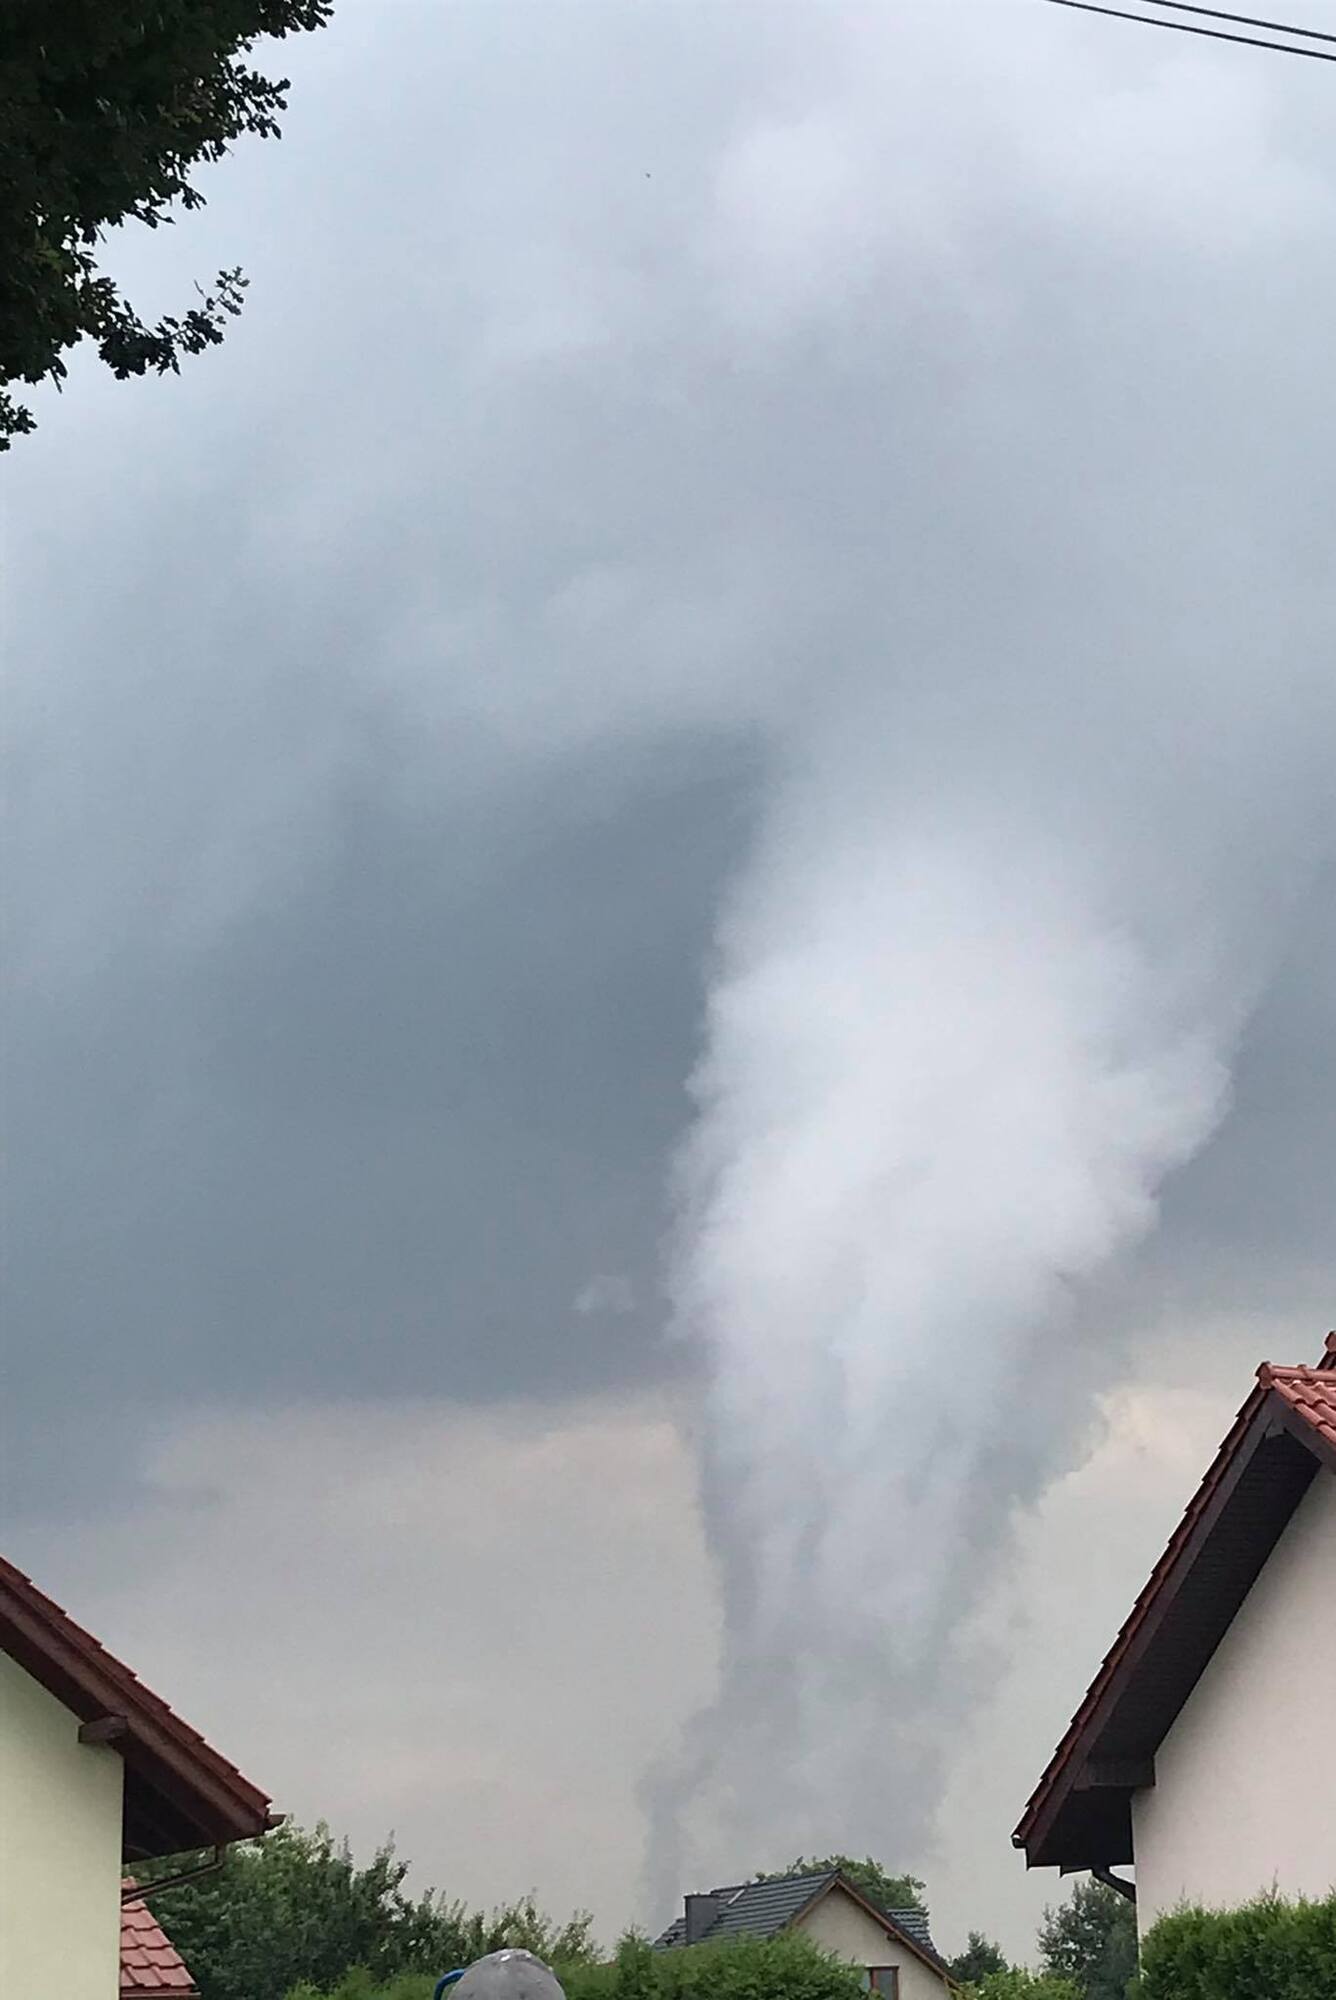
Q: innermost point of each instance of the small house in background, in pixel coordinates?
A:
(893, 1948)
(150, 1962)
(95, 1772)
(1204, 1753)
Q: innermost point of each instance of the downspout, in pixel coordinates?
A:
(217, 1856)
(139, 1892)
(1118, 1883)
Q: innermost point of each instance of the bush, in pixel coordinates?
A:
(359, 1985)
(1268, 1950)
(782, 1968)
(293, 1913)
(1016, 1984)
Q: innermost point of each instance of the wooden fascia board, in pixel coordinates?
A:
(1033, 1830)
(1284, 1416)
(182, 1772)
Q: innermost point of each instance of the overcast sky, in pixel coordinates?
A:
(672, 455)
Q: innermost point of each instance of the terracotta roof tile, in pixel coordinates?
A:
(1310, 1393)
(114, 1669)
(150, 1962)
(219, 1804)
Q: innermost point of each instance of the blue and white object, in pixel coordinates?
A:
(503, 1975)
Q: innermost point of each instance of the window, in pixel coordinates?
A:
(884, 1979)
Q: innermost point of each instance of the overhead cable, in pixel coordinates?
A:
(1213, 34)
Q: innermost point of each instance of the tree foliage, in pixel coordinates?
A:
(106, 109)
(1092, 1940)
(1013, 1983)
(295, 1907)
(1280, 1950)
(359, 1984)
(979, 1958)
(790, 1967)
(888, 1892)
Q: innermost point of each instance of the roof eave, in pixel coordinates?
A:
(179, 1792)
(1265, 1415)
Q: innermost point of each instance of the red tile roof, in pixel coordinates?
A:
(1301, 1401)
(179, 1793)
(150, 1962)
(1310, 1393)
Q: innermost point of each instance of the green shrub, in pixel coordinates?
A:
(782, 1968)
(358, 1984)
(1016, 1984)
(1268, 1950)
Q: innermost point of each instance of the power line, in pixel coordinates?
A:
(1244, 21)
(1211, 34)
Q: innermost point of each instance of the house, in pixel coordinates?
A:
(95, 1772)
(1204, 1753)
(150, 1962)
(894, 1948)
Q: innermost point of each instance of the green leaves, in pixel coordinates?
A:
(1283, 1951)
(979, 1958)
(294, 1910)
(789, 1967)
(1091, 1940)
(888, 1892)
(104, 124)
(1016, 1984)
(782, 1968)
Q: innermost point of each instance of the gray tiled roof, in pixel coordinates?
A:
(914, 1924)
(753, 1909)
(763, 1909)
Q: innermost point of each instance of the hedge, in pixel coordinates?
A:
(1018, 1984)
(782, 1968)
(1268, 1950)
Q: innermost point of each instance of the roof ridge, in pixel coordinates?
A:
(1324, 1365)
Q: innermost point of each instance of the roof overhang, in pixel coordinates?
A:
(1080, 1815)
(179, 1793)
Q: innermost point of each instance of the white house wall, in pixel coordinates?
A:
(60, 1850)
(1245, 1781)
(840, 1926)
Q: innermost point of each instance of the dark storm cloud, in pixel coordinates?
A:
(1248, 1227)
(378, 1133)
(641, 413)
(610, 380)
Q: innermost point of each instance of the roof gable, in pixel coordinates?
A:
(1079, 1815)
(766, 1908)
(179, 1793)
